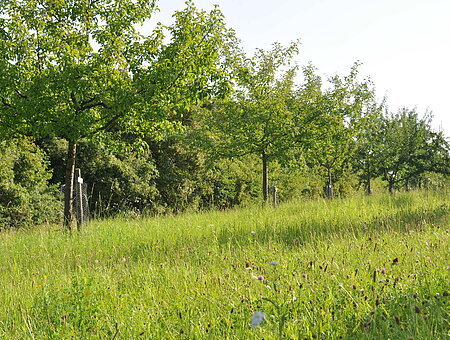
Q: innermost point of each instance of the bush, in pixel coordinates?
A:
(118, 182)
(26, 198)
(234, 182)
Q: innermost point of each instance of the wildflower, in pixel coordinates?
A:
(305, 276)
(381, 281)
(261, 278)
(274, 263)
(341, 285)
(257, 318)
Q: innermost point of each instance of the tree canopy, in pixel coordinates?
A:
(80, 69)
(81, 75)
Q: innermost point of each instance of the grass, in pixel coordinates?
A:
(366, 267)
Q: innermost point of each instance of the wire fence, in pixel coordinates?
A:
(80, 200)
(81, 204)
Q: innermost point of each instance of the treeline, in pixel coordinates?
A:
(183, 119)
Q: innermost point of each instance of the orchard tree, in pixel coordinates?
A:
(366, 160)
(336, 114)
(80, 70)
(259, 120)
(409, 148)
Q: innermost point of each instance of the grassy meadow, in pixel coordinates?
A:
(365, 267)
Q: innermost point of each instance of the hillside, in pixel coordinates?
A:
(363, 267)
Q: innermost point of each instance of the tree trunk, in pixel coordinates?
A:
(407, 187)
(329, 189)
(391, 187)
(369, 178)
(265, 176)
(69, 187)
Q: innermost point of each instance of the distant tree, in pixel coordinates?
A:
(335, 115)
(409, 148)
(366, 160)
(259, 119)
(80, 70)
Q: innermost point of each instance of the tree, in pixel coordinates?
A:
(409, 148)
(333, 118)
(80, 70)
(259, 120)
(368, 146)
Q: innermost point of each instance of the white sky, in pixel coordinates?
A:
(404, 45)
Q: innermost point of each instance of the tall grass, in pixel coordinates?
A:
(374, 267)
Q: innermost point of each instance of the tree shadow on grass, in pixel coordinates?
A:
(304, 231)
(290, 236)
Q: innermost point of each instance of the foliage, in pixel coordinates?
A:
(82, 70)
(366, 161)
(408, 148)
(119, 182)
(26, 197)
(178, 119)
(235, 182)
(336, 115)
(258, 121)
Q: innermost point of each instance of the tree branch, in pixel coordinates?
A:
(108, 124)
(74, 99)
(5, 103)
(90, 106)
(21, 95)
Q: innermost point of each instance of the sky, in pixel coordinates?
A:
(404, 45)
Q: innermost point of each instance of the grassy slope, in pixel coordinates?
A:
(204, 275)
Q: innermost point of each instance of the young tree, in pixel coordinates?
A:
(335, 115)
(80, 69)
(259, 119)
(368, 146)
(410, 148)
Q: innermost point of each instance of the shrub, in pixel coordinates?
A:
(26, 198)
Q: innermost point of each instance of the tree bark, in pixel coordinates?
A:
(69, 186)
(369, 178)
(391, 187)
(407, 187)
(265, 176)
(329, 184)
